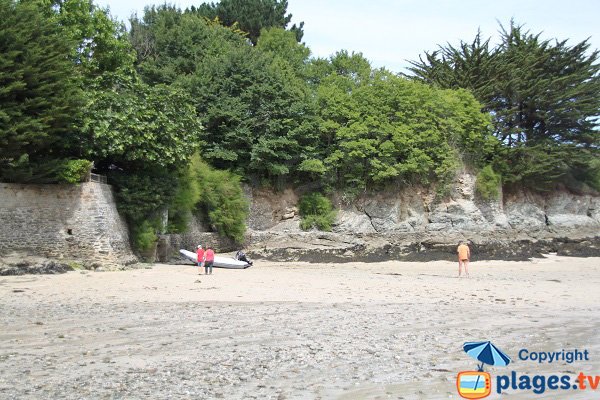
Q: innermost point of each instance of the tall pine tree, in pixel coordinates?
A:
(40, 95)
(543, 96)
(251, 15)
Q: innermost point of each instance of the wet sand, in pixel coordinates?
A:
(291, 330)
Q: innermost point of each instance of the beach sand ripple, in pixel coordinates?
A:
(289, 330)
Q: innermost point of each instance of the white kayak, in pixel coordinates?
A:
(220, 262)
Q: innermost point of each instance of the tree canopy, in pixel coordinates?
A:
(251, 16)
(41, 97)
(254, 104)
(231, 83)
(380, 127)
(171, 44)
(543, 96)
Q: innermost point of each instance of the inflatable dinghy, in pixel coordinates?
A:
(220, 262)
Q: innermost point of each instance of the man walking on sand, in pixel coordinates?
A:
(464, 255)
(200, 258)
(209, 259)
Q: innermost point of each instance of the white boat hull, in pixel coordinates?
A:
(220, 262)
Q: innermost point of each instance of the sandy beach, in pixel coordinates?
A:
(292, 330)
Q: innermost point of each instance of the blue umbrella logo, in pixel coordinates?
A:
(487, 353)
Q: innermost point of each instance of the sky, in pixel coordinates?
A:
(389, 33)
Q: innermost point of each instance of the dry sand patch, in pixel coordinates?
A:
(288, 330)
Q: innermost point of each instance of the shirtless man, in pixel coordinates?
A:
(464, 255)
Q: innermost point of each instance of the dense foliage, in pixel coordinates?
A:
(171, 45)
(488, 183)
(251, 16)
(132, 124)
(379, 127)
(256, 109)
(185, 200)
(258, 116)
(41, 97)
(543, 97)
(316, 211)
(231, 82)
(222, 202)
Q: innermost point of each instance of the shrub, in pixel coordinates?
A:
(74, 171)
(142, 194)
(313, 167)
(144, 235)
(594, 175)
(185, 201)
(222, 201)
(488, 183)
(586, 171)
(316, 211)
(57, 170)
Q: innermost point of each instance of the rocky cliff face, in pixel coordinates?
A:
(412, 224)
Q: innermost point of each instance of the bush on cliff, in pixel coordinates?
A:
(378, 128)
(594, 174)
(316, 211)
(74, 171)
(144, 236)
(185, 201)
(488, 183)
(222, 201)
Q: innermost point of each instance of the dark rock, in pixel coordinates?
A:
(372, 249)
(26, 267)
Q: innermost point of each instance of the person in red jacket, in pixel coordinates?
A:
(209, 259)
(200, 258)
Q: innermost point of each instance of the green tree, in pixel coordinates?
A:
(134, 123)
(253, 101)
(552, 93)
(257, 112)
(40, 94)
(143, 138)
(543, 96)
(251, 15)
(379, 128)
(102, 44)
(281, 43)
(469, 66)
(171, 45)
(140, 136)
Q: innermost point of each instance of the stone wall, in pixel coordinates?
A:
(64, 222)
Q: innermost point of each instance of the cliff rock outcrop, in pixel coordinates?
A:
(413, 223)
